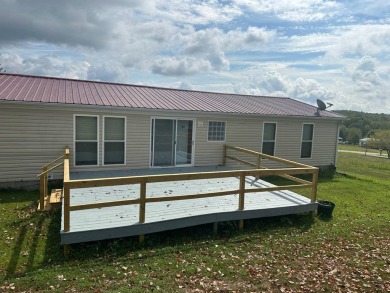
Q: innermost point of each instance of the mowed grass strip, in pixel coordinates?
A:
(349, 253)
(356, 148)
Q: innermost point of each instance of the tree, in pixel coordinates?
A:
(381, 140)
(353, 135)
(343, 132)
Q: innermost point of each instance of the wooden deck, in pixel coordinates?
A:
(122, 221)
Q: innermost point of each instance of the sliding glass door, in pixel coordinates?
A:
(172, 142)
(184, 142)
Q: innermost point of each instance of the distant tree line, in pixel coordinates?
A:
(380, 140)
(357, 125)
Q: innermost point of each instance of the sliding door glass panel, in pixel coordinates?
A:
(184, 142)
(163, 142)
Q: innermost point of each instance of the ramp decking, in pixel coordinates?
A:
(122, 221)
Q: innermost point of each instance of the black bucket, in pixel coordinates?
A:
(325, 209)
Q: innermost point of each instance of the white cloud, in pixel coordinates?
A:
(44, 65)
(186, 85)
(273, 83)
(180, 66)
(195, 12)
(361, 40)
(204, 50)
(295, 11)
(107, 71)
(365, 75)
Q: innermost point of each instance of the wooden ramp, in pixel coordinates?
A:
(122, 221)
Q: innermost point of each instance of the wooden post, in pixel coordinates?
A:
(224, 155)
(46, 182)
(258, 161)
(215, 227)
(66, 250)
(242, 197)
(142, 207)
(241, 225)
(41, 192)
(66, 207)
(314, 189)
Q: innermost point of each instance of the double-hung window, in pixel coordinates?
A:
(114, 140)
(216, 131)
(86, 140)
(269, 137)
(307, 140)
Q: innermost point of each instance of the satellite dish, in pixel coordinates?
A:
(322, 106)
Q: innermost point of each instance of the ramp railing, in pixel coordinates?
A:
(43, 176)
(143, 181)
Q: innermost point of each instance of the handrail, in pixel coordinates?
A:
(55, 160)
(51, 169)
(43, 178)
(259, 155)
(146, 179)
(272, 158)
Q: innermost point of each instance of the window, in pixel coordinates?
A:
(269, 135)
(216, 131)
(114, 140)
(86, 140)
(307, 140)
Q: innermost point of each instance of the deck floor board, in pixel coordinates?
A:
(122, 221)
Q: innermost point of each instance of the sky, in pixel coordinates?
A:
(336, 51)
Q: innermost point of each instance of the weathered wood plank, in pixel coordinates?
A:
(192, 196)
(103, 204)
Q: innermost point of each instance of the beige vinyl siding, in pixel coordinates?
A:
(247, 133)
(29, 139)
(33, 135)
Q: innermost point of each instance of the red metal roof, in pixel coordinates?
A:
(39, 89)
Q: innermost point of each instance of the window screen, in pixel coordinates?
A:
(114, 140)
(86, 140)
(307, 140)
(269, 135)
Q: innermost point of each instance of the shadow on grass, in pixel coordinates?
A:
(53, 249)
(32, 230)
(19, 196)
(189, 237)
(21, 250)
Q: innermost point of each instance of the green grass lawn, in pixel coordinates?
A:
(349, 253)
(356, 148)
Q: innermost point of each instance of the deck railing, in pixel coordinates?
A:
(143, 181)
(278, 172)
(43, 177)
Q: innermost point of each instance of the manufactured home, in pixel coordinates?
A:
(110, 126)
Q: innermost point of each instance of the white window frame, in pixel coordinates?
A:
(302, 141)
(208, 129)
(104, 140)
(274, 141)
(97, 139)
